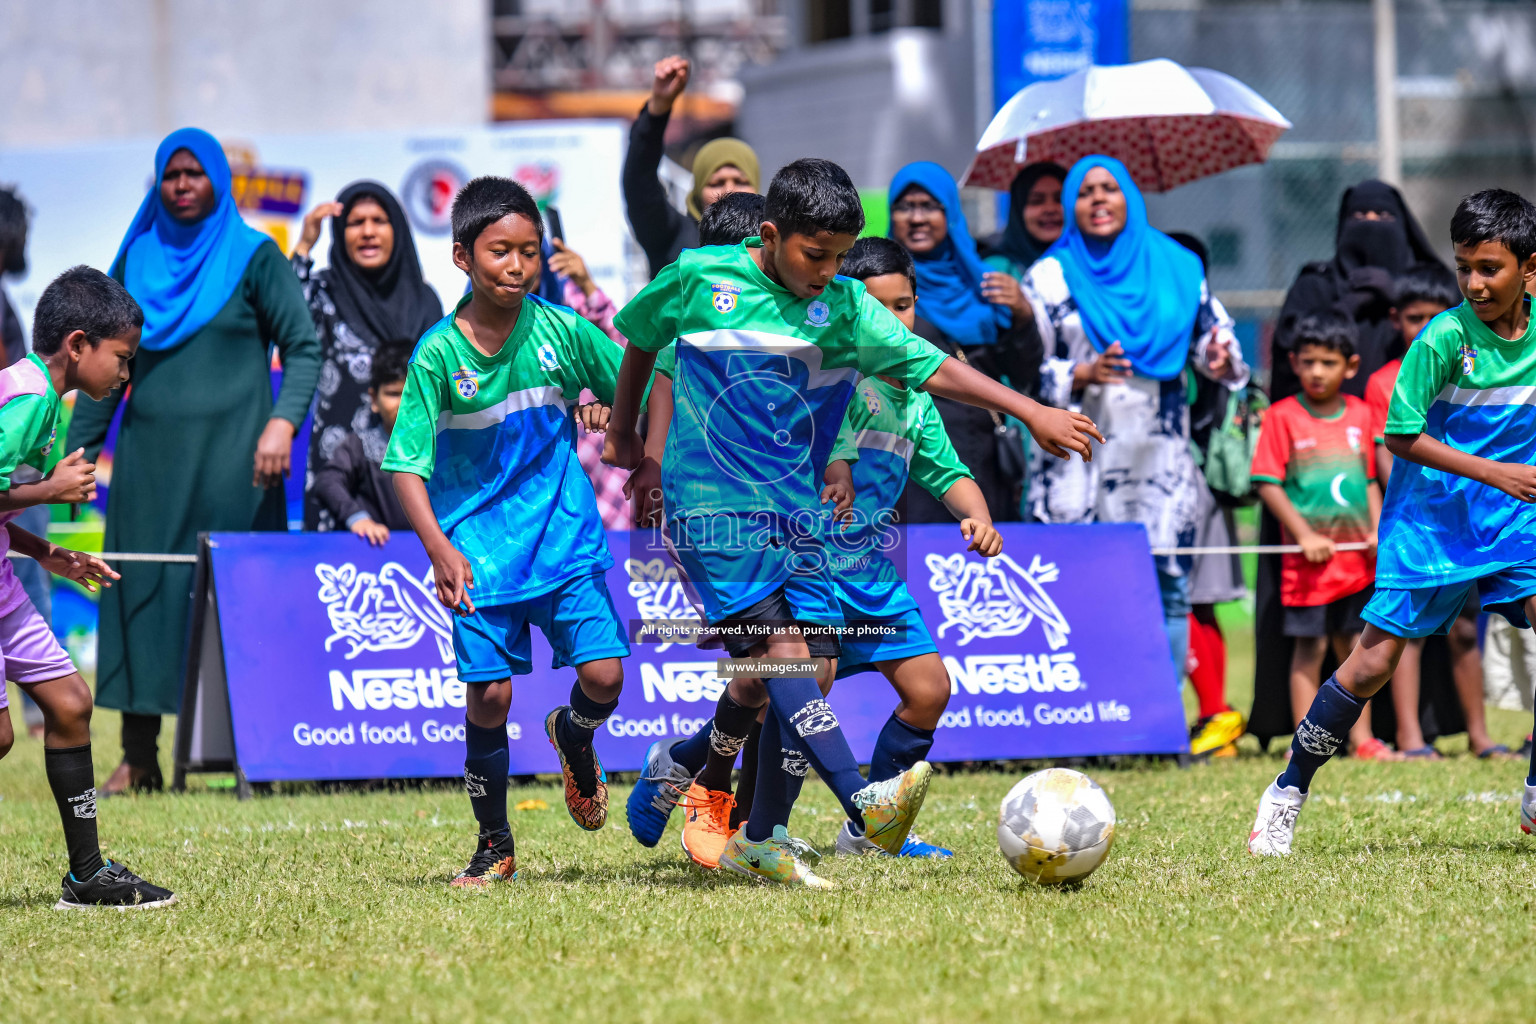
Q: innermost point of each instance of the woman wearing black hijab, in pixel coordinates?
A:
(1378, 239)
(1035, 219)
(371, 293)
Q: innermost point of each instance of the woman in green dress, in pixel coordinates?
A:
(202, 445)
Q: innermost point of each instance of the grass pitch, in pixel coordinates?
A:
(1412, 897)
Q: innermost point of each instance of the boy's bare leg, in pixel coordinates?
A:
(1405, 697)
(1467, 674)
(7, 737)
(1306, 666)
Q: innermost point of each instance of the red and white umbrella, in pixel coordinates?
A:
(1167, 123)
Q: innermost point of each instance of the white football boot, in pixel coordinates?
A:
(1527, 811)
(1275, 826)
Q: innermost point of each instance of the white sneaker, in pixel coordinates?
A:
(850, 845)
(1275, 826)
(1527, 812)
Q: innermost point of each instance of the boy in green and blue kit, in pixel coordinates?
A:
(770, 345)
(485, 465)
(1460, 511)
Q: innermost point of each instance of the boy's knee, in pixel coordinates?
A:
(1462, 635)
(603, 681)
(7, 737)
(748, 691)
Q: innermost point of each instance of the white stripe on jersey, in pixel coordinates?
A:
(726, 340)
(1519, 394)
(882, 440)
(517, 401)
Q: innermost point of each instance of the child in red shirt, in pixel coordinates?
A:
(1417, 298)
(1315, 471)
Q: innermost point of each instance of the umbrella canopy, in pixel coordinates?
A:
(1167, 123)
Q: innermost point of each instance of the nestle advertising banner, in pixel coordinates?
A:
(340, 659)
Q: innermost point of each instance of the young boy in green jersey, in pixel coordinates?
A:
(1461, 510)
(484, 457)
(898, 435)
(84, 332)
(770, 345)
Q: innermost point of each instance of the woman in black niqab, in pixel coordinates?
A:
(1377, 239)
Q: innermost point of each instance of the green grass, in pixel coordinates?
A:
(1411, 897)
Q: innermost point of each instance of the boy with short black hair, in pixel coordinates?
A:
(732, 217)
(1461, 513)
(486, 470)
(1419, 296)
(84, 332)
(770, 344)
(351, 485)
(1314, 470)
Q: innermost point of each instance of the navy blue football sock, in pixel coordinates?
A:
(899, 747)
(1321, 733)
(806, 719)
(574, 729)
(1530, 780)
(746, 781)
(485, 777)
(728, 733)
(780, 774)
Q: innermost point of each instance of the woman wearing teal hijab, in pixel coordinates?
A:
(202, 445)
(1124, 313)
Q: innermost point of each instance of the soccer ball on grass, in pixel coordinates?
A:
(1056, 826)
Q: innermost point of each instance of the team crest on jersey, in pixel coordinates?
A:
(1352, 434)
(724, 296)
(53, 436)
(871, 401)
(1468, 359)
(818, 313)
(547, 358)
(465, 384)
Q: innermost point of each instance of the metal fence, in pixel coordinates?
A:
(1467, 99)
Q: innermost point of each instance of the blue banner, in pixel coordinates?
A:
(340, 663)
(1035, 40)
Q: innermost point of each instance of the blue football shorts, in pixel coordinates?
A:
(731, 571)
(1424, 611)
(577, 618)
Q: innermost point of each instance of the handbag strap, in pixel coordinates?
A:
(997, 421)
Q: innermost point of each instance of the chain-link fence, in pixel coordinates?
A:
(1467, 94)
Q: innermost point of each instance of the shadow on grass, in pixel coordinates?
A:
(23, 902)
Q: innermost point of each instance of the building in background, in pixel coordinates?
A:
(871, 85)
(93, 70)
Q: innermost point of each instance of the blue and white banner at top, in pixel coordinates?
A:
(340, 661)
(1036, 40)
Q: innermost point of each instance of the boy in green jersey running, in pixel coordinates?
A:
(1460, 511)
(485, 464)
(770, 345)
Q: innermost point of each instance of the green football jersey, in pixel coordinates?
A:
(762, 378)
(494, 438)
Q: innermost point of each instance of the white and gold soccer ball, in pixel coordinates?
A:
(1056, 826)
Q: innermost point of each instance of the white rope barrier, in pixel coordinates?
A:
(1234, 549)
(1253, 549)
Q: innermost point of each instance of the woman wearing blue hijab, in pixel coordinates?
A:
(1124, 313)
(202, 445)
(970, 312)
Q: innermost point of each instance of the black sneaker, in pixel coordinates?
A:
(113, 887)
(494, 861)
(1525, 748)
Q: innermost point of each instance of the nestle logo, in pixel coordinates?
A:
(682, 680)
(1014, 673)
